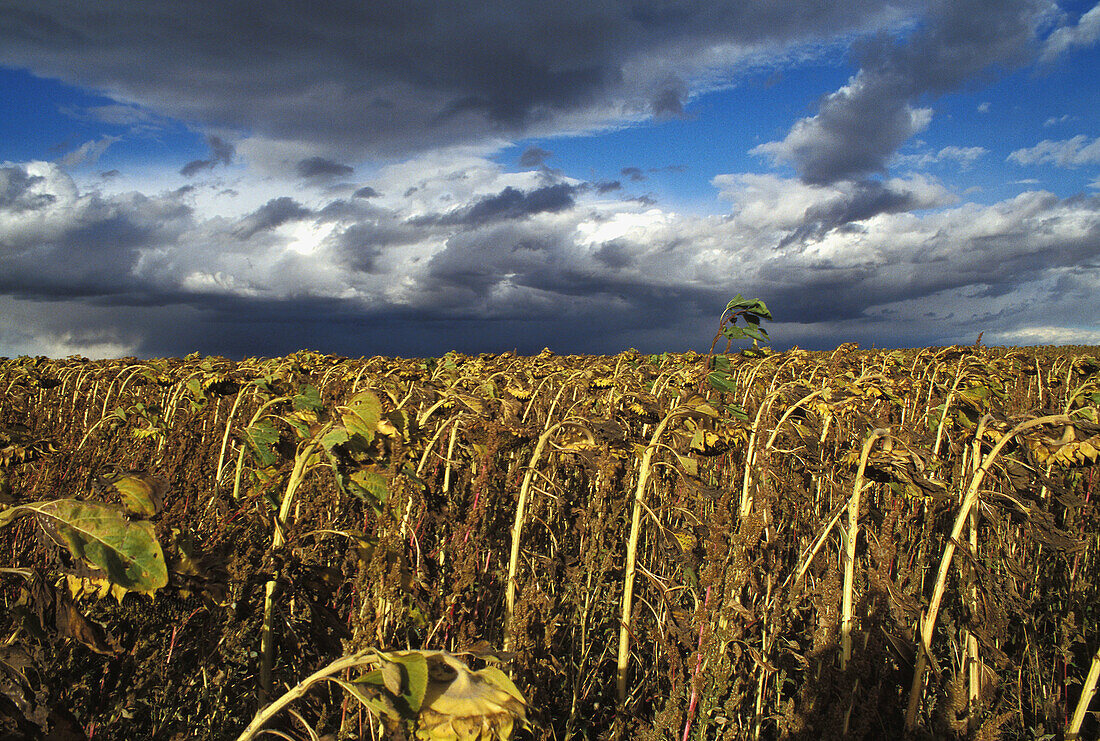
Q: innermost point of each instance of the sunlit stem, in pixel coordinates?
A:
(929, 622)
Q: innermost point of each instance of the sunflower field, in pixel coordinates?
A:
(757, 545)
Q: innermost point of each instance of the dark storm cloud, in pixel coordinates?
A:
(477, 264)
(534, 157)
(16, 195)
(221, 152)
(365, 192)
(366, 233)
(514, 204)
(613, 255)
(510, 203)
(607, 186)
(669, 100)
(859, 127)
(319, 167)
(859, 201)
(361, 245)
(54, 243)
(634, 173)
(194, 167)
(272, 214)
(368, 79)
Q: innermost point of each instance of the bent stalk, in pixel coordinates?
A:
(632, 551)
(929, 622)
(850, 550)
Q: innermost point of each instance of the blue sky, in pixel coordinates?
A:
(372, 180)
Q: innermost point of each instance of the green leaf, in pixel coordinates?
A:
(721, 382)
(300, 427)
(756, 333)
(374, 676)
(368, 485)
(127, 552)
(194, 387)
(736, 411)
(307, 399)
(335, 437)
(261, 438)
(759, 308)
(412, 669)
(733, 332)
(265, 385)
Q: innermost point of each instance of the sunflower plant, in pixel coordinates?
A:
(751, 311)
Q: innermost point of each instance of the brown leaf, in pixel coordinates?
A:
(71, 623)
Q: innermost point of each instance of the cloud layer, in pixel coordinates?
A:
(395, 78)
(516, 261)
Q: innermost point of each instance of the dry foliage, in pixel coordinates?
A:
(773, 526)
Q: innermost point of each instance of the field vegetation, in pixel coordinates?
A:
(680, 546)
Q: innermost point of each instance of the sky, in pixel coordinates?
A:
(403, 179)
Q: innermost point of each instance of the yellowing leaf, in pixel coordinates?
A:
(142, 493)
(128, 552)
(690, 465)
(142, 433)
(705, 442)
(86, 586)
(461, 704)
(361, 415)
(438, 689)
(369, 485)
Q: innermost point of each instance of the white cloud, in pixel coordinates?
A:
(1073, 152)
(1046, 335)
(770, 203)
(89, 152)
(1085, 33)
(137, 119)
(965, 157)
